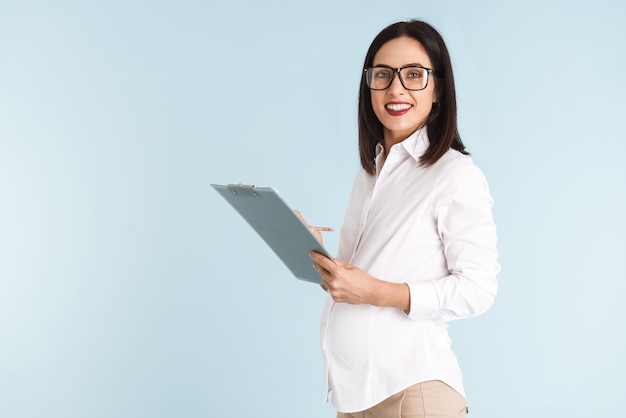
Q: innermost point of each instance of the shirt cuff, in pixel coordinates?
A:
(424, 301)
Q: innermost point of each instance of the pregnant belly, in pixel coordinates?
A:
(358, 333)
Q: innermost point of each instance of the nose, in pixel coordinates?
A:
(396, 85)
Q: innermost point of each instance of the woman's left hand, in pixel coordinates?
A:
(349, 284)
(344, 282)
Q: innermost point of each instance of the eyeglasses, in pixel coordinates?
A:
(412, 77)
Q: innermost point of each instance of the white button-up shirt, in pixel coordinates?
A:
(432, 228)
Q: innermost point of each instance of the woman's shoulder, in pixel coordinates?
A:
(455, 158)
(457, 170)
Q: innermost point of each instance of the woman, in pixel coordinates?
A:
(418, 243)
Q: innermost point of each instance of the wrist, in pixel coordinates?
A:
(378, 293)
(395, 295)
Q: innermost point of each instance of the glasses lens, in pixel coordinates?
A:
(379, 78)
(414, 78)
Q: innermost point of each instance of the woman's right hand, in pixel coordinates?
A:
(313, 230)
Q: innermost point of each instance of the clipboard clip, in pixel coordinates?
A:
(246, 187)
(243, 186)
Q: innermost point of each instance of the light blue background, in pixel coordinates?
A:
(128, 288)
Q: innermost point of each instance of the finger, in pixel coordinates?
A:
(325, 262)
(314, 231)
(321, 270)
(343, 264)
(317, 234)
(317, 257)
(299, 215)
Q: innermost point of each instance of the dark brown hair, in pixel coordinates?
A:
(441, 124)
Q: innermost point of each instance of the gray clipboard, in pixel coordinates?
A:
(272, 218)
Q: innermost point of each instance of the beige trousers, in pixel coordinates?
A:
(432, 399)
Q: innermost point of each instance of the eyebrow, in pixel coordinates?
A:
(415, 64)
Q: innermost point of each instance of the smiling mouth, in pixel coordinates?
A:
(398, 107)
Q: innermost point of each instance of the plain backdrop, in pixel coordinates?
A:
(129, 288)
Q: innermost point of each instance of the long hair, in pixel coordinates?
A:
(441, 124)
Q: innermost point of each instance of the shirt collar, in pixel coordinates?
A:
(415, 145)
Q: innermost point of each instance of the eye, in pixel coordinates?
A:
(382, 73)
(414, 73)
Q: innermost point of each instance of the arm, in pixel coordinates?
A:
(468, 234)
(348, 284)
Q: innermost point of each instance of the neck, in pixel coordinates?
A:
(392, 138)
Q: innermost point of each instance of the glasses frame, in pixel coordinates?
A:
(397, 71)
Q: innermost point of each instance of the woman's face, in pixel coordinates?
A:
(402, 111)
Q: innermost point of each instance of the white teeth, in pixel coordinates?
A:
(398, 107)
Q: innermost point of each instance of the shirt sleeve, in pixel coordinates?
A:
(467, 231)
